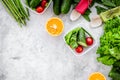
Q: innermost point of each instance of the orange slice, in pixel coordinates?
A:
(54, 26)
(97, 76)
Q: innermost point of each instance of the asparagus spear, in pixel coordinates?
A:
(16, 10)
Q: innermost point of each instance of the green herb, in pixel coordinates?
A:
(100, 9)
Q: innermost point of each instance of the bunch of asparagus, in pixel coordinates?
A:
(16, 10)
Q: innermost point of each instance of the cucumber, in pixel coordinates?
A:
(81, 38)
(65, 7)
(34, 3)
(57, 6)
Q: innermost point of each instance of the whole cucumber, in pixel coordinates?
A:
(57, 6)
(34, 3)
(65, 7)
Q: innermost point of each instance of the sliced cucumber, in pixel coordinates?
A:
(81, 38)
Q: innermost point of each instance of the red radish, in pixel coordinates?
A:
(89, 41)
(83, 6)
(79, 49)
(43, 3)
(39, 9)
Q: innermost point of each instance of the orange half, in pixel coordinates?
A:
(54, 26)
(97, 76)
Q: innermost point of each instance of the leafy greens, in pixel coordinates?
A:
(106, 3)
(109, 49)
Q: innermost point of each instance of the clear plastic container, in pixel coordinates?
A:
(85, 49)
(23, 2)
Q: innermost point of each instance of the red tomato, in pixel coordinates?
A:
(89, 41)
(43, 3)
(39, 9)
(79, 49)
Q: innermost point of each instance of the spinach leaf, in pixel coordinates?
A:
(100, 9)
(108, 3)
(86, 15)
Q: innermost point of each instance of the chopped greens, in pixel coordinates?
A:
(109, 49)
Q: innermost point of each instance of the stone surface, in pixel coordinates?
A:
(29, 53)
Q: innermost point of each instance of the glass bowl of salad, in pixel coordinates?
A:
(37, 6)
(79, 41)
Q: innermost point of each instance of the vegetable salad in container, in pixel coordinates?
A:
(79, 41)
(37, 6)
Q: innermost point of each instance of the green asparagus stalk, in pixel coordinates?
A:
(16, 10)
(21, 9)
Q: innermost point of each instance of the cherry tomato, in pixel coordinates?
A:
(39, 9)
(89, 41)
(79, 49)
(43, 3)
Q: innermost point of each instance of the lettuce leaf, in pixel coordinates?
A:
(109, 48)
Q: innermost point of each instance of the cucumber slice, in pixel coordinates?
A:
(81, 38)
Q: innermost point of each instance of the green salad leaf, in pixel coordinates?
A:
(115, 71)
(110, 42)
(108, 60)
(109, 49)
(71, 38)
